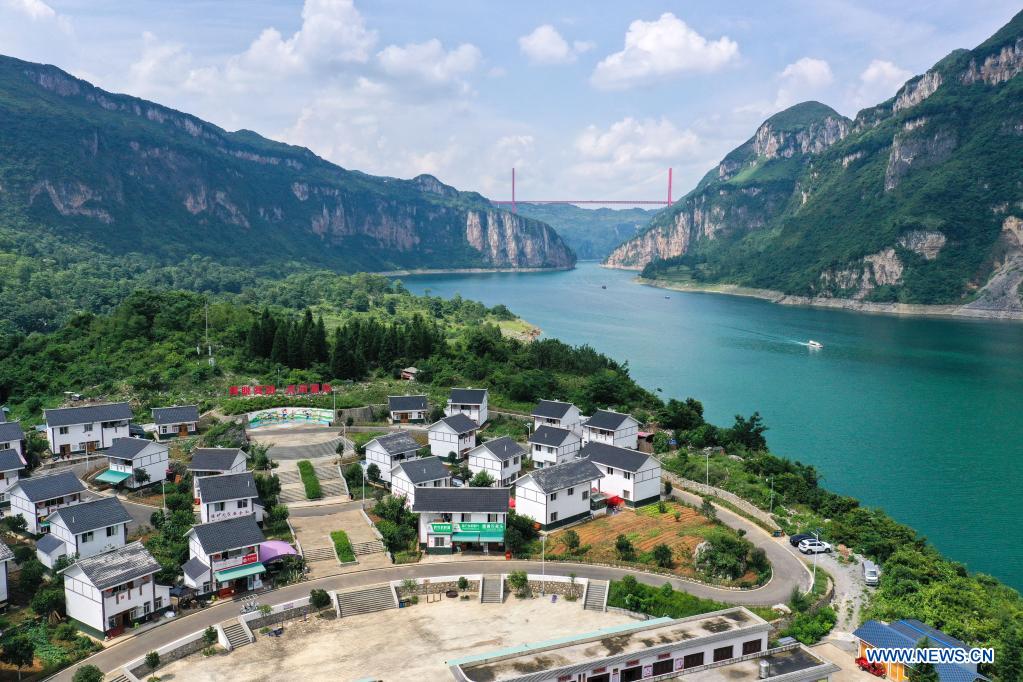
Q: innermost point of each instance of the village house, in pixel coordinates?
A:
(179, 420)
(631, 475)
(452, 435)
(557, 495)
(501, 458)
(128, 455)
(224, 556)
(424, 472)
(559, 414)
(613, 428)
(907, 634)
(6, 556)
(86, 429)
(214, 462)
(453, 519)
(12, 437)
(407, 409)
(550, 445)
(34, 499)
(387, 450)
(472, 402)
(11, 464)
(109, 592)
(229, 496)
(409, 374)
(84, 530)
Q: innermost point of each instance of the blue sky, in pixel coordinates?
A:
(585, 99)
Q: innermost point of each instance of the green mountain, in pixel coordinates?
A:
(95, 178)
(591, 233)
(917, 200)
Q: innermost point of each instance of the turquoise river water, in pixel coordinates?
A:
(920, 416)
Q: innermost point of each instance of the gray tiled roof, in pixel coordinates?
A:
(5, 552)
(396, 443)
(127, 448)
(460, 423)
(606, 419)
(107, 412)
(489, 500)
(10, 460)
(221, 536)
(213, 459)
(178, 414)
(406, 403)
(81, 518)
(48, 544)
(610, 455)
(227, 487)
(194, 568)
(468, 396)
(118, 566)
(423, 469)
(11, 431)
(40, 488)
(552, 409)
(503, 448)
(567, 475)
(552, 436)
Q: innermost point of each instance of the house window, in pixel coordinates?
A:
(586, 494)
(438, 542)
(610, 471)
(517, 460)
(87, 537)
(554, 496)
(571, 491)
(505, 464)
(111, 622)
(751, 647)
(157, 603)
(218, 506)
(554, 516)
(625, 495)
(466, 517)
(145, 609)
(693, 660)
(111, 531)
(205, 588)
(662, 667)
(87, 428)
(243, 504)
(627, 475)
(491, 518)
(63, 430)
(723, 653)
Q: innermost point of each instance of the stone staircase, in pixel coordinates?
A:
(596, 595)
(293, 494)
(366, 600)
(320, 554)
(493, 590)
(236, 635)
(371, 547)
(118, 676)
(331, 481)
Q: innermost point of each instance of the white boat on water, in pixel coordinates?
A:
(814, 344)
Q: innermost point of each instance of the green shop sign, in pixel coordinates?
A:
(481, 527)
(441, 527)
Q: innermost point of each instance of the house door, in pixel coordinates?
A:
(65, 450)
(90, 446)
(115, 624)
(404, 417)
(182, 430)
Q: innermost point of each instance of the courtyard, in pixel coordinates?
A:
(407, 644)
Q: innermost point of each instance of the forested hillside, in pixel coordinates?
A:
(591, 233)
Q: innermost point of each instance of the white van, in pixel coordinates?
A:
(871, 573)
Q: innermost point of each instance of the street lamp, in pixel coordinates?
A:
(543, 564)
(364, 488)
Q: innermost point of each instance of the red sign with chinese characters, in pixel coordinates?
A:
(250, 558)
(291, 389)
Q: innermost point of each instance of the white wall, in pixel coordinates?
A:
(401, 485)
(443, 440)
(570, 421)
(172, 429)
(375, 454)
(28, 510)
(426, 518)
(504, 473)
(531, 501)
(208, 511)
(153, 459)
(546, 455)
(13, 445)
(7, 482)
(477, 413)
(77, 435)
(625, 437)
(3, 581)
(643, 484)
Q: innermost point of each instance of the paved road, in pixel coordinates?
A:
(778, 590)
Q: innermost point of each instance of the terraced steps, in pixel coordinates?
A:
(287, 495)
(286, 477)
(366, 600)
(236, 635)
(493, 590)
(320, 554)
(120, 677)
(370, 547)
(596, 595)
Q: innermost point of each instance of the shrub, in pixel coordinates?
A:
(463, 583)
(342, 546)
(15, 523)
(662, 508)
(23, 553)
(153, 660)
(519, 581)
(373, 473)
(481, 480)
(571, 541)
(31, 576)
(662, 555)
(209, 636)
(309, 480)
(49, 599)
(319, 599)
(810, 628)
(624, 548)
(88, 673)
(66, 632)
(707, 510)
(628, 593)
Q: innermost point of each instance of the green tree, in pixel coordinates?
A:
(624, 548)
(209, 636)
(923, 672)
(662, 555)
(749, 433)
(49, 600)
(1010, 658)
(31, 576)
(279, 349)
(571, 541)
(708, 510)
(18, 651)
(88, 673)
(319, 599)
(141, 476)
(153, 660)
(481, 480)
(373, 473)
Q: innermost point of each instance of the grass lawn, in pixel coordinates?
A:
(342, 546)
(360, 438)
(500, 425)
(309, 480)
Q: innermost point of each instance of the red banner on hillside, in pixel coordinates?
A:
(291, 389)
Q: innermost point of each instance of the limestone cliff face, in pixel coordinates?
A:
(166, 182)
(748, 188)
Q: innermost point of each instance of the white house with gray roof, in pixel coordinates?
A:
(456, 434)
(109, 592)
(407, 409)
(6, 556)
(11, 464)
(472, 402)
(224, 556)
(214, 462)
(424, 472)
(84, 530)
(550, 445)
(557, 495)
(501, 458)
(228, 496)
(558, 414)
(613, 428)
(632, 475)
(461, 518)
(12, 437)
(388, 450)
(87, 428)
(34, 499)
(125, 455)
(178, 420)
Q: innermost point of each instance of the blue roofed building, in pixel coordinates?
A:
(908, 633)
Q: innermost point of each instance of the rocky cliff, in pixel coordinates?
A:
(130, 176)
(918, 200)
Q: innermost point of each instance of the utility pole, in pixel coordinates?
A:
(543, 564)
(772, 494)
(209, 347)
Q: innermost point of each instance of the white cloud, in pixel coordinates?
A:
(546, 46)
(803, 79)
(39, 11)
(665, 47)
(633, 140)
(879, 81)
(430, 62)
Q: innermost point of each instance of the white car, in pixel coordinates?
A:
(811, 546)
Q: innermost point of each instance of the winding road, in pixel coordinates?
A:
(789, 572)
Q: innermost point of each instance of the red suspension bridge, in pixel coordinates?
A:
(513, 202)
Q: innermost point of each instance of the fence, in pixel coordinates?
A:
(704, 490)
